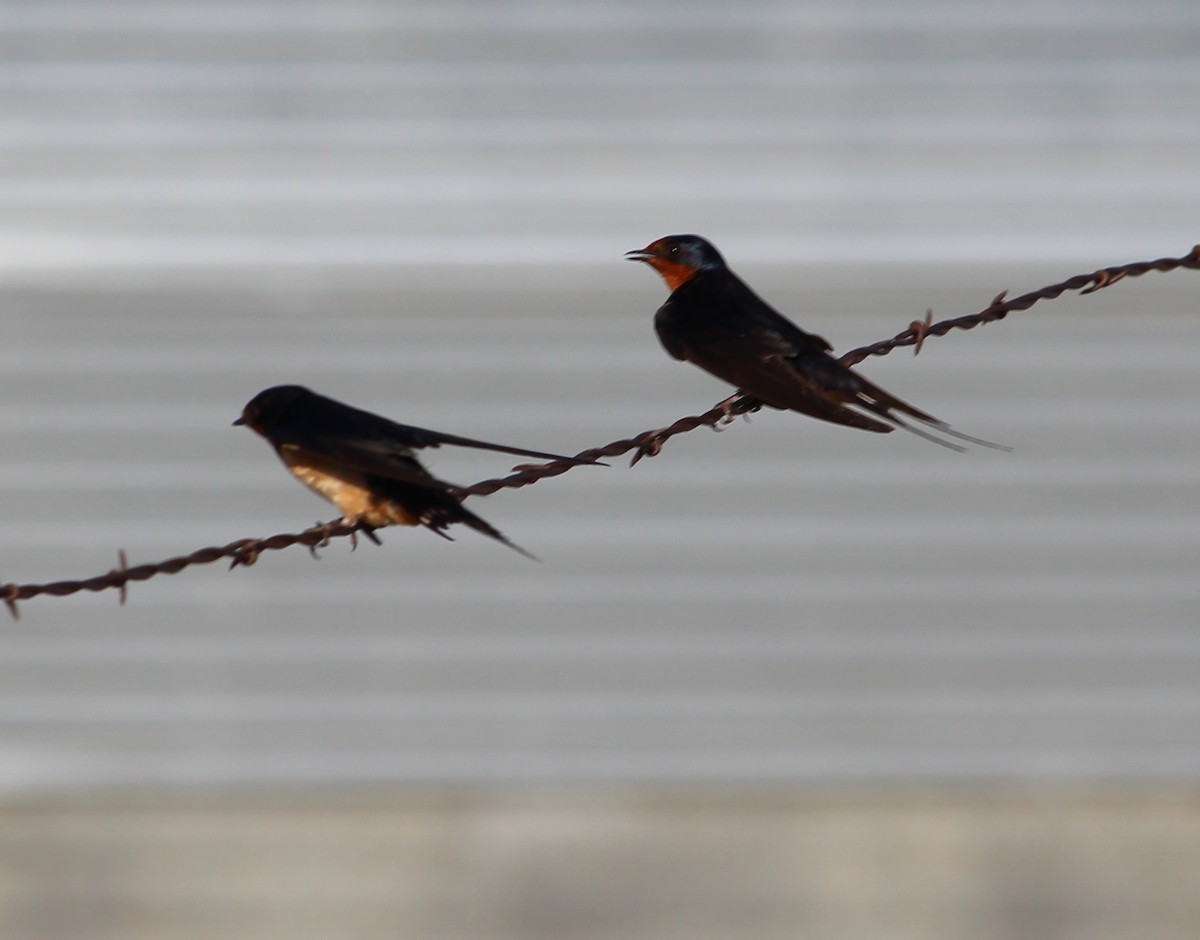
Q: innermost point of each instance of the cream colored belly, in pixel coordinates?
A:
(346, 489)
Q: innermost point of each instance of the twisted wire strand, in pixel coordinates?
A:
(999, 308)
(244, 552)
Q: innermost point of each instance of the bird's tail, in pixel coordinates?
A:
(875, 400)
(438, 522)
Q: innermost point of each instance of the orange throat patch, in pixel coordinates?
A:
(675, 275)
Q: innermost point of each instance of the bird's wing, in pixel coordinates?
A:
(763, 364)
(376, 445)
(763, 324)
(361, 456)
(373, 433)
(426, 438)
(835, 380)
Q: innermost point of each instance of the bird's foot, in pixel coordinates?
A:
(368, 531)
(729, 409)
(325, 532)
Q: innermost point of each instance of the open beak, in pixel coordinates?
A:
(640, 254)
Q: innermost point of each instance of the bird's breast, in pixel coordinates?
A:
(348, 489)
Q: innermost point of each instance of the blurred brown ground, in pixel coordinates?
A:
(928, 864)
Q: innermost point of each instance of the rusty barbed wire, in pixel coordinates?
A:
(242, 552)
(245, 552)
(999, 308)
(646, 444)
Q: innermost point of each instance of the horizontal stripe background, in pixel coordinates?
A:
(422, 210)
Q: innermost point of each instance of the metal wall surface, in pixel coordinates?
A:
(148, 134)
(421, 210)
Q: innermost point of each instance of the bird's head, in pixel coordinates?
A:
(269, 406)
(678, 258)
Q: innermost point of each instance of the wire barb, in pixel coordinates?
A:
(920, 329)
(244, 552)
(118, 574)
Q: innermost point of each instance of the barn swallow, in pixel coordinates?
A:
(715, 321)
(364, 464)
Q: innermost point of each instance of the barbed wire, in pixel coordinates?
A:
(242, 552)
(999, 308)
(245, 552)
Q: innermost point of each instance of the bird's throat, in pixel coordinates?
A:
(675, 275)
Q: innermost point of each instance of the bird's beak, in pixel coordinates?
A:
(239, 422)
(640, 254)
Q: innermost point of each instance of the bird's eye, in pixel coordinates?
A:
(674, 249)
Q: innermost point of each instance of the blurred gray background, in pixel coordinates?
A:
(788, 680)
